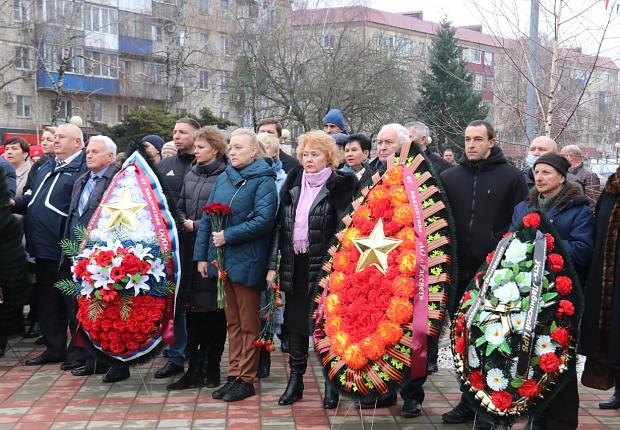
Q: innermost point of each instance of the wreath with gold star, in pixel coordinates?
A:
(390, 260)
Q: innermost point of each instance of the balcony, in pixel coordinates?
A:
(143, 90)
(79, 83)
(134, 46)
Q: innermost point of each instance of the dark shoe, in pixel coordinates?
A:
(116, 374)
(212, 375)
(41, 360)
(432, 368)
(264, 364)
(90, 369)
(294, 390)
(612, 403)
(241, 390)
(411, 409)
(461, 413)
(385, 401)
(40, 341)
(33, 331)
(284, 345)
(73, 364)
(165, 353)
(168, 370)
(219, 394)
(330, 401)
(191, 379)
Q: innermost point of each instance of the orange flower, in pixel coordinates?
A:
(361, 213)
(339, 342)
(336, 282)
(372, 347)
(398, 195)
(403, 214)
(331, 303)
(332, 325)
(377, 194)
(400, 310)
(390, 332)
(341, 259)
(354, 357)
(407, 235)
(407, 263)
(403, 287)
(394, 176)
(349, 233)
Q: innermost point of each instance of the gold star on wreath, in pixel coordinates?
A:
(123, 211)
(375, 248)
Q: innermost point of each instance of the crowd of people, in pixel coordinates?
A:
(291, 207)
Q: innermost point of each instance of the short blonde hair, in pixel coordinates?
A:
(260, 153)
(323, 142)
(270, 144)
(214, 137)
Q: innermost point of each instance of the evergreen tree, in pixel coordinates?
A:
(448, 101)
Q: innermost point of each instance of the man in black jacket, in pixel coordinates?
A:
(483, 191)
(272, 126)
(420, 134)
(174, 169)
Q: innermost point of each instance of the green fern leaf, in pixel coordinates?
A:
(125, 308)
(95, 309)
(68, 287)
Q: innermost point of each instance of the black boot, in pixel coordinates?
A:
(331, 397)
(613, 402)
(194, 376)
(298, 362)
(215, 341)
(264, 364)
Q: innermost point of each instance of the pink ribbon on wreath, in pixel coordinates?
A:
(419, 348)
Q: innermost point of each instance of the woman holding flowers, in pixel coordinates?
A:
(568, 209)
(206, 324)
(247, 187)
(314, 198)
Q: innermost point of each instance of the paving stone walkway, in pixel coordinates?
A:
(45, 397)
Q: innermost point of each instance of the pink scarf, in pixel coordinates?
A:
(311, 184)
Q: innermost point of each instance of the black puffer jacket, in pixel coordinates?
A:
(173, 170)
(326, 212)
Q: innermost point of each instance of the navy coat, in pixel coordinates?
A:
(46, 204)
(253, 199)
(10, 177)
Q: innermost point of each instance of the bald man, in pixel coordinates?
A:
(542, 145)
(46, 202)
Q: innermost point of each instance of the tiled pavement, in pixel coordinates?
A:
(47, 398)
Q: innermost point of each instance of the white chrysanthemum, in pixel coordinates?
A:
(494, 334)
(507, 293)
(472, 357)
(496, 379)
(518, 320)
(516, 252)
(543, 345)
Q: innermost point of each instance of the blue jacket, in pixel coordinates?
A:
(10, 176)
(572, 218)
(46, 204)
(252, 196)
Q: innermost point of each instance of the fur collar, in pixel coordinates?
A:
(570, 195)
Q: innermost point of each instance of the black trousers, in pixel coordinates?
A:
(53, 309)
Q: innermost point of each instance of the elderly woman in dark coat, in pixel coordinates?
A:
(601, 318)
(314, 198)
(569, 211)
(205, 323)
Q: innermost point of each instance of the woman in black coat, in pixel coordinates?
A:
(206, 324)
(601, 317)
(313, 200)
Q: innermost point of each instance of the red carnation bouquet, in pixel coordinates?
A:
(217, 213)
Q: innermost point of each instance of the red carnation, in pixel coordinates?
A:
(550, 242)
(216, 209)
(459, 345)
(476, 380)
(467, 296)
(80, 268)
(490, 256)
(549, 362)
(528, 389)
(564, 285)
(501, 399)
(556, 262)
(531, 220)
(117, 274)
(459, 325)
(565, 308)
(104, 258)
(144, 267)
(560, 335)
(131, 264)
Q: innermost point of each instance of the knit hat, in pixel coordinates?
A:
(154, 140)
(334, 116)
(557, 161)
(36, 151)
(341, 139)
(169, 147)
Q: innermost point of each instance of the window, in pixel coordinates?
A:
(328, 41)
(477, 82)
(204, 7)
(96, 111)
(225, 82)
(20, 11)
(226, 45)
(22, 58)
(476, 56)
(77, 62)
(181, 38)
(204, 80)
(155, 72)
(224, 115)
(66, 107)
(203, 41)
(156, 33)
(121, 112)
(225, 5)
(488, 58)
(24, 106)
(101, 64)
(100, 19)
(62, 11)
